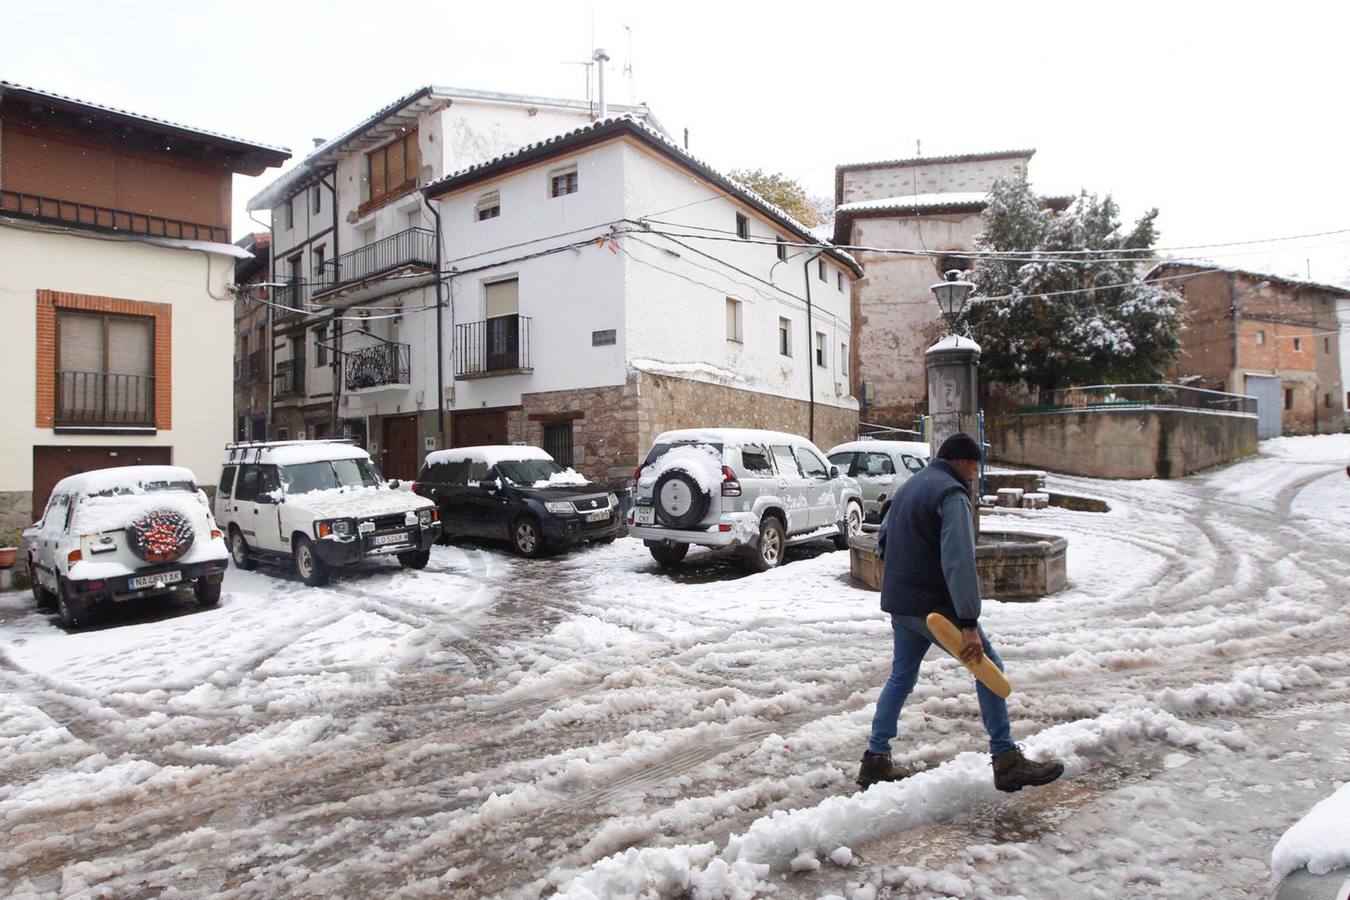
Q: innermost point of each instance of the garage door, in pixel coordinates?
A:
(1267, 389)
(51, 464)
(479, 429)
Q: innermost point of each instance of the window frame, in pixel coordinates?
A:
(784, 336)
(316, 205)
(781, 247)
(410, 174)
(481, 206)
(104, 317)
(822, 350)
(735, 320)
(742, 226)
(820, 271)
(549, 431)
(572, 181)
(843, 358)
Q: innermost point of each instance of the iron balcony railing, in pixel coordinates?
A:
(376, 366)
(104, 398)
(289, 378)
(71, 212)
(1125, 396)
(499, 344)
(412, 247)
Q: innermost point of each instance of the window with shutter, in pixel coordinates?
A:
(104, 369)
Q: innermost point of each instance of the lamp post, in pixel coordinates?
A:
(953, 377)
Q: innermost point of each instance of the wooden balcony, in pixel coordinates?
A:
(56, 211)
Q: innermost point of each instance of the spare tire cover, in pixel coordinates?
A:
(680, 501)
(160, 536)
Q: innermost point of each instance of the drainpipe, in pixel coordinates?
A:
(440, 333)
(336, 364)
(810, 353)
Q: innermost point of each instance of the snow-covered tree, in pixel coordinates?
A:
(1055, 320)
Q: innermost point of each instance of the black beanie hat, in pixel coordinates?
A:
(959, 446)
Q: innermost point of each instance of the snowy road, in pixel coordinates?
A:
(585, 724)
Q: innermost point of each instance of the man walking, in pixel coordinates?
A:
(927, 545)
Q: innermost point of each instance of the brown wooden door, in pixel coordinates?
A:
(51, 464)
(400, 457)
(479, 429)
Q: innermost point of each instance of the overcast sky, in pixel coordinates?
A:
(1230, 118)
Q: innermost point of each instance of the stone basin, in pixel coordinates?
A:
(1013, 565)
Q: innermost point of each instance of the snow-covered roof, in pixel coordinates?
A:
(985, 156)
(1247, 273)
(231, 250)
(734, 436)
(268, 154)
(488, 453)
(405, 109)
(919, 201)
(295, 453)
(627, 124)
(121, 477)
(917, 448)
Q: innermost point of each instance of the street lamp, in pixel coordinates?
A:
(951, 295)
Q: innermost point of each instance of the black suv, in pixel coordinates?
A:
(517, 494)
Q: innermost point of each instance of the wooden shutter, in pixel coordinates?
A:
(394, 172)
(81, 342)
(377, 179)
(413, 161)
(130, 345)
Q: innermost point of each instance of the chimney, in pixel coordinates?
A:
(601, 57)
(319, 142)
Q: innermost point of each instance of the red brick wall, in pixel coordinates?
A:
(48, 302)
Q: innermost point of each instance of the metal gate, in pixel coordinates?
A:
(1269, 394)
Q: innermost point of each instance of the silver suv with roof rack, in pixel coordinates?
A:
(318, 505)
(761, 491)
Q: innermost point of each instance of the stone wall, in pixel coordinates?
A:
(16, 511)
(613, 427)
(1125, 443)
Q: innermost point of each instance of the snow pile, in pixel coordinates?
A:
(917, 201)
(565, 477)
(1313, 448)
(332, 503)
(127, 478)
(299, 453)
(1320, 841)
(492, 454)
(702, 462)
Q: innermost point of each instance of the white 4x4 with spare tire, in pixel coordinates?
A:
(318, 505)
(114, 534)
(737, 487)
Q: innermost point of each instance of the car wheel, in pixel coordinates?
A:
(239, 553)
(668, 554)
(680, 501)
(41, 596)
(526, 539)
(208, 592)
(414, 559)
(852, 526)
(311, 570)
(768, 553)
(72, 612)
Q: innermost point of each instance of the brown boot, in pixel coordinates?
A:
(878, 767)
(1013, 771)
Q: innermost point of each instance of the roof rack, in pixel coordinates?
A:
(261, 445)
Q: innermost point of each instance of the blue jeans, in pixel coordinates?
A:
(912, 640)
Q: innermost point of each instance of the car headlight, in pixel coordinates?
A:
(424, 517)
(613, 500)
(342, 527)
(559, 506)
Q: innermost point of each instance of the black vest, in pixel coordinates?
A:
(913, 583)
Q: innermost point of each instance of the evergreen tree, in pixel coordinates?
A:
(1121, 332)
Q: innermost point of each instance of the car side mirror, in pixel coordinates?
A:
(834, 472)
(264, 498)
(489, 487)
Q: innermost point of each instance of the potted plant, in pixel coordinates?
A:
(9, 548)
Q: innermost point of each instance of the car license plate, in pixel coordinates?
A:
(600, 515)
(381, 540)
(146, 581)
(644, 515)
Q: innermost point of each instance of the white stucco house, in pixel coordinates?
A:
(597, 285)
(115, 276)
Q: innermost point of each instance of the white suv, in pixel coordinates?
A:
(318, 505)
(758, 490)
(113, 534)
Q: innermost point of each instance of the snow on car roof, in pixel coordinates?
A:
(729, 436)
(120, 477)
(295, 453)
(918, 448)
(490, 454)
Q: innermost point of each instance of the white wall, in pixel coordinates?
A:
(567, 295)
(935, 178)
(203, 337)
(676, 296)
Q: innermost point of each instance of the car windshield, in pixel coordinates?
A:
(528, 471)
(146, 487)
(327, 474)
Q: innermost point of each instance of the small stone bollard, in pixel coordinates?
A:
(1035, 501)
(1010, 498)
